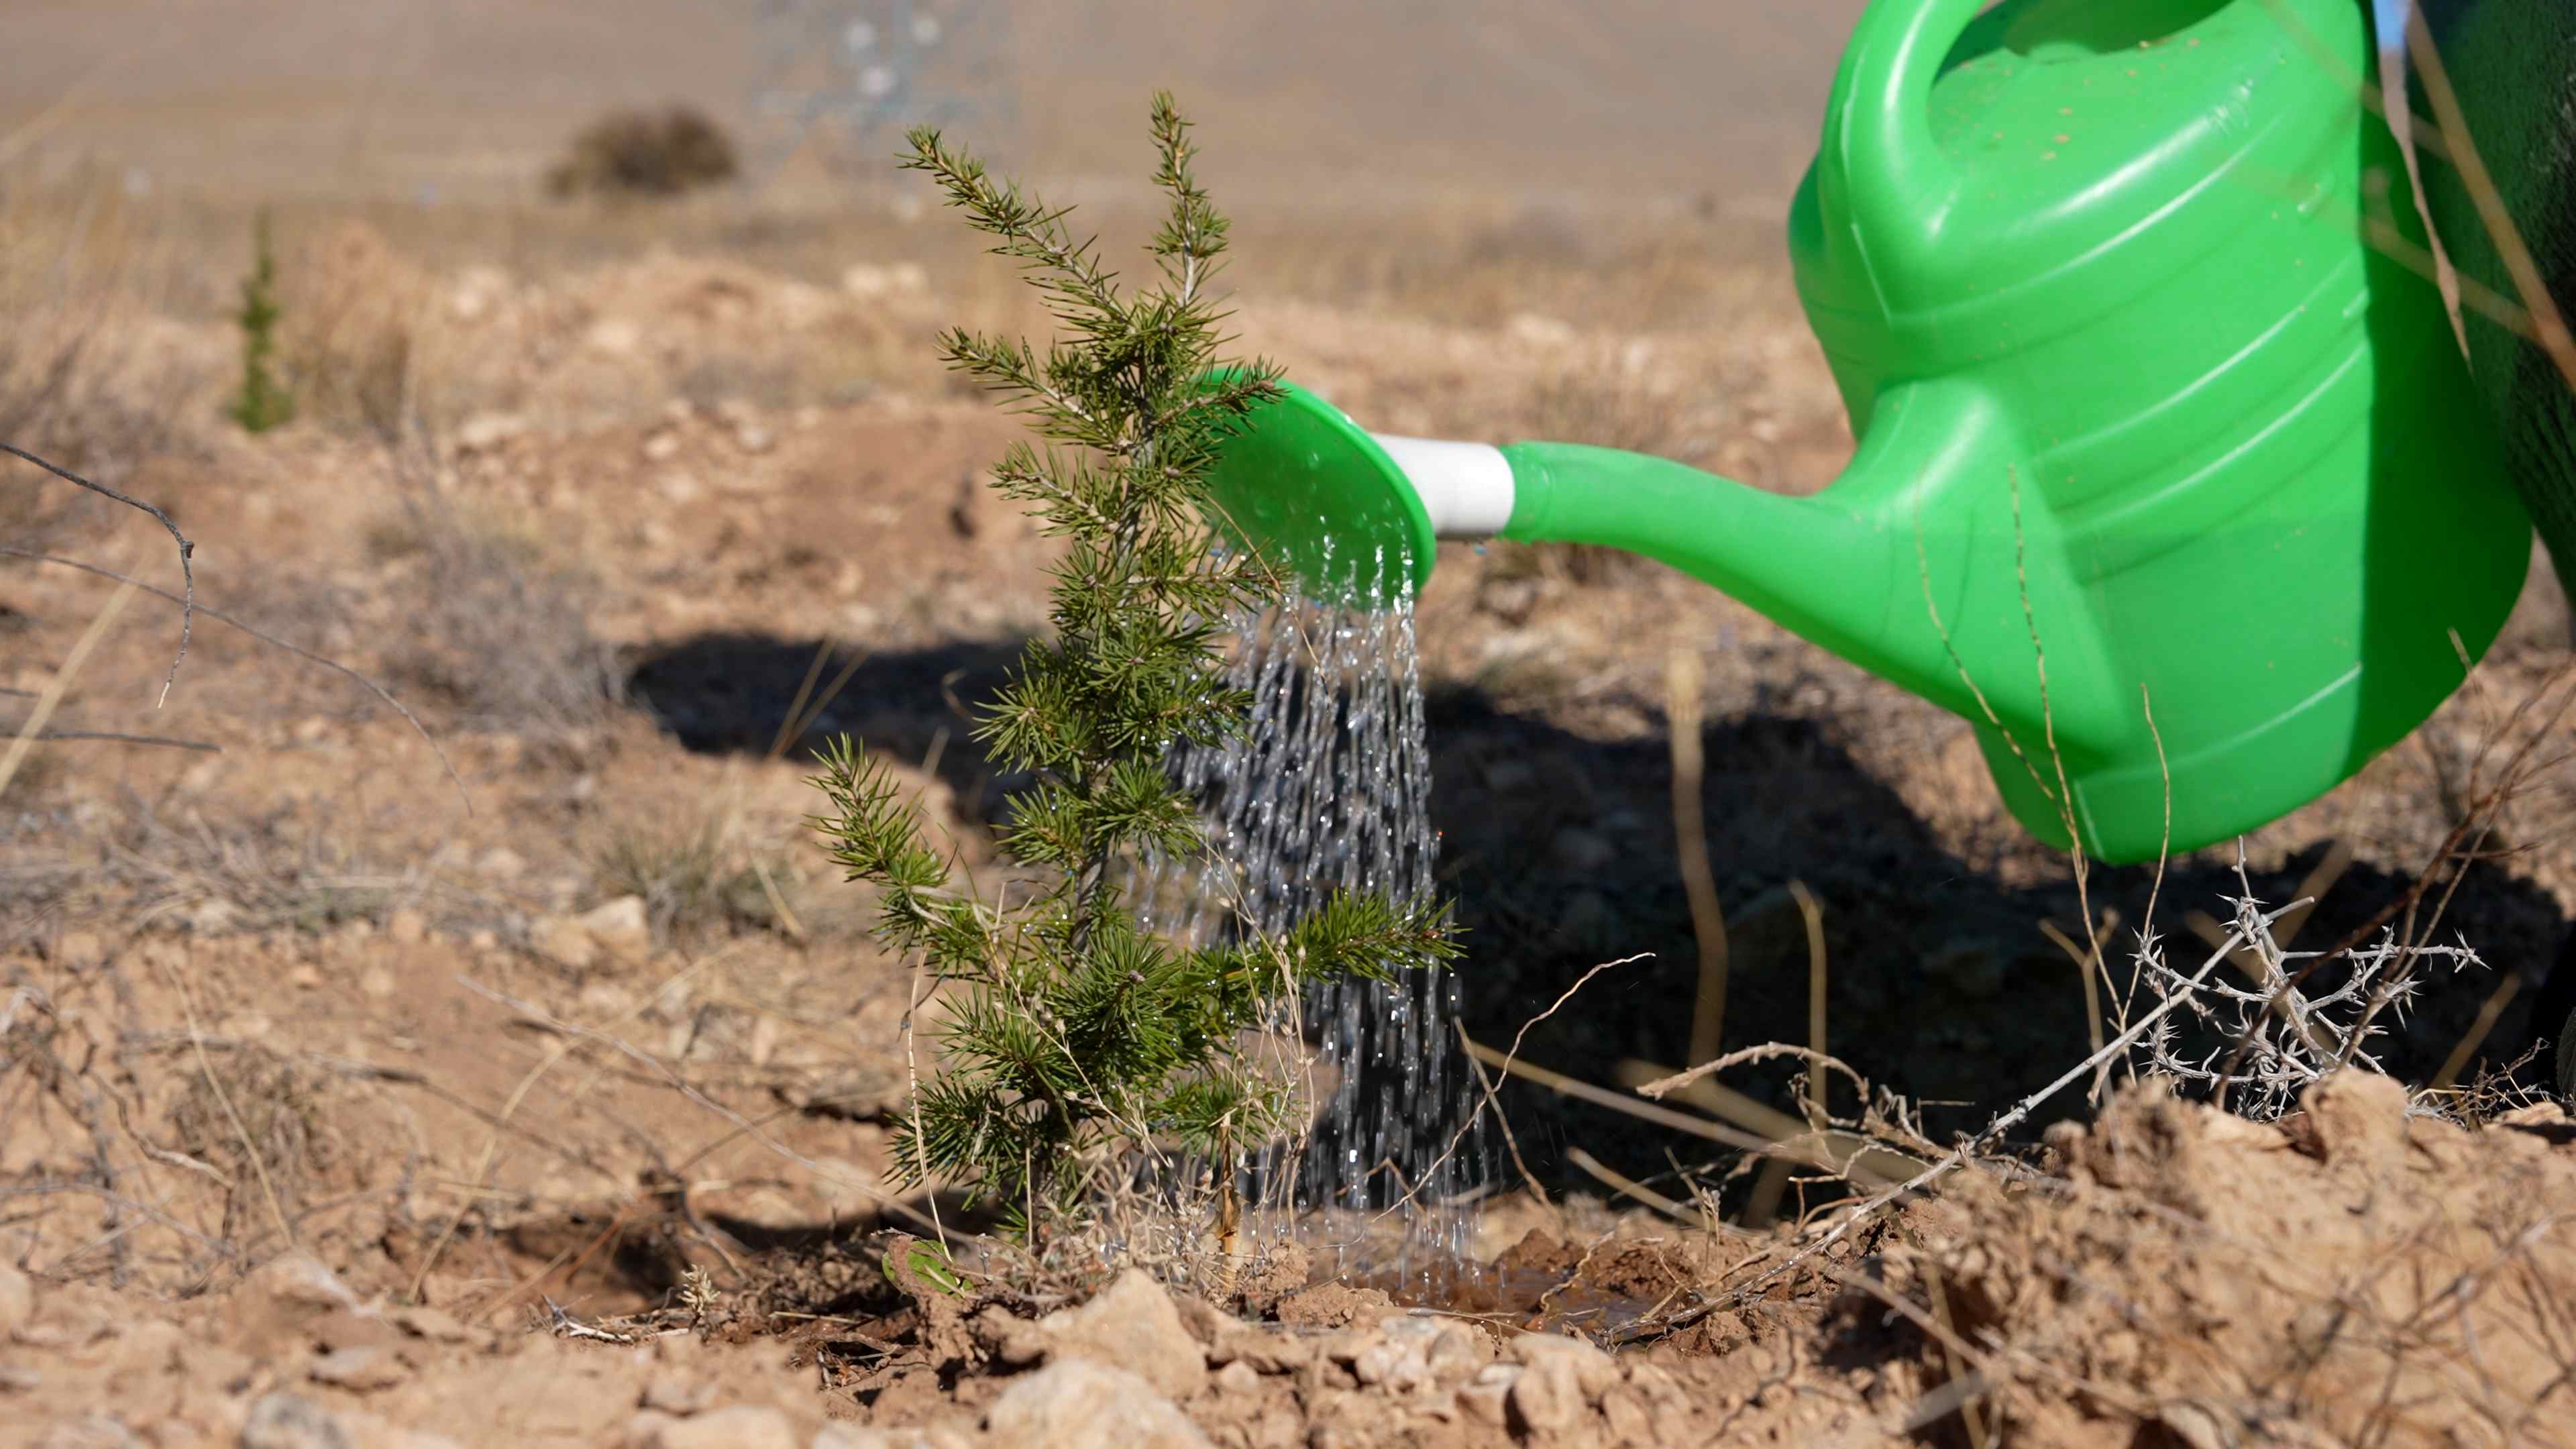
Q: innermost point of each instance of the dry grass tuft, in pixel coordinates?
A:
(641, 153)
(490, 633)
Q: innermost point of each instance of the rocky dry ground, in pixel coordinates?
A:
(530, 1086)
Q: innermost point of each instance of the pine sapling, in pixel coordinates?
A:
(1076, 1042)
(262, 403)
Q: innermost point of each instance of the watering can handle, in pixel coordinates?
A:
(1883, 170)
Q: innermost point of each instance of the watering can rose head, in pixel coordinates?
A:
(2167, 480)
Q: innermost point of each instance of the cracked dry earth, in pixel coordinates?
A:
(2168, 1275)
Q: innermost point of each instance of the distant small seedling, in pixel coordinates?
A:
(263, 402)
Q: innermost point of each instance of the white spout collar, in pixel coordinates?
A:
(1465, 487)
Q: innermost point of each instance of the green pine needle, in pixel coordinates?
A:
(1072, 1039)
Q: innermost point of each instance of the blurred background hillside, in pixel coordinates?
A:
(1329, 103)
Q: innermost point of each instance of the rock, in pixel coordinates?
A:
(486, 431)
(1132, 1326)
(868, 282)
(2359, 1116)
(1594, 1372)
(678, 1394)
(614, 337)
(1625, 1414)
(661, 446)
(431, 1323)
(406, 927)
(743, 1426)
(1546, 1396)
(17, 1299)
(1398, 1354)
(91, 1431)
(1075, 1403)
(620, 926)
(1458, 1353)
(1332, 1305)
(301, 1281)
(754, 438)
(563, 941)
(1238, 1377)
(283, 1421)
(1483, 1401)
(1280, 1271)
(361, 1370)
(1540, 331)
(79, 950)
(348, 1328)
(853, 1436)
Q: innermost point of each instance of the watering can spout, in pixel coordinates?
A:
(1905, 566)
(1928, 563)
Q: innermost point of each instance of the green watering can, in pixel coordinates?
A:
(2127, 379)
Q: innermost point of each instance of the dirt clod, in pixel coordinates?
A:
(1131, 1326)
(1331, 1305)
(1075, 1403)
(743, 1426)
(17, 1299)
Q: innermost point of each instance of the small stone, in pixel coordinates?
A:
(1483, 1401)
(1541, 331)
(406, 927)
(501, 863)
(283, 1421)
(563, 942)
(1458, 1353)
(621, 926)
(1238, 1377)
(485, 431)
(361, 1370)
(228, 1369)
(1546, 1396)
(1131, 1326)
(2359, 1115)
(1332, 1305)
(1626, 1415)
(677, 1394)
(1075, 1403)
(753, 438)
(300, 1280)
(17, 1299)
(91, 1431)
(348, 1328)
(436, 1325)
(853, 1436)
(743, 1426)
(614, 337)
(1594, 1371)
(661, 447)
